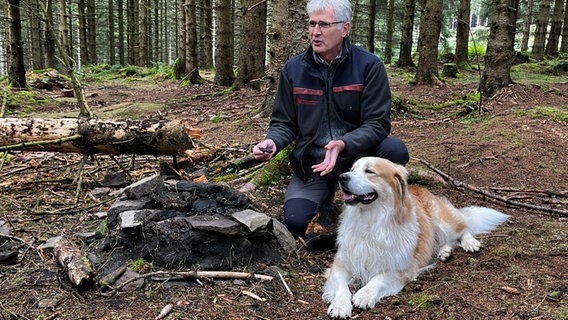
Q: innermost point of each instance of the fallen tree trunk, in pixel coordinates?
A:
(150, 137)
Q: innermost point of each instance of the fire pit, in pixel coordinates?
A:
(187, 225)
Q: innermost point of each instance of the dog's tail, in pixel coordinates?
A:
(482, 220)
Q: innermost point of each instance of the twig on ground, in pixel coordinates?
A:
(460, 184)
(197, 275)
(285, 284)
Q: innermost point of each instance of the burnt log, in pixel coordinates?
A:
(149, 137)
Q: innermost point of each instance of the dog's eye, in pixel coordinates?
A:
(369, 171)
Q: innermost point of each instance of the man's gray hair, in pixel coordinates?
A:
(342, 8)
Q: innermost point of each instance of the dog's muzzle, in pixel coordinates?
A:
(352, 198)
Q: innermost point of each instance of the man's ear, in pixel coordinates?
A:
(346, 28)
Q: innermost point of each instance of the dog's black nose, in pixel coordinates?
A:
(343, 178)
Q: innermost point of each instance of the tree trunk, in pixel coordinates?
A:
(405, 55)
(64, 36)
(564, 43)
(91, 32)
(253, 44)
(500, 48)
(96, 136)
(224, 52)
(180, 66)
(36, 38)
(288, 37)
(430, 27)
(16, 69)
(354, 33)
(111, 49)
(555, 29)
(371, 26)
(462, 33)
(143, 35)
(191, 43)
(157, 53)
(206, 36)
(50, 61)
(120, 17)
(527, 26)
(541, 27)
(132, 31)
(390, 31)
(83, 48)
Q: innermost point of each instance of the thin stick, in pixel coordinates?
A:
(198, 275)
(285, 284)
(460, 184)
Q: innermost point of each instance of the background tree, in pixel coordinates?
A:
(143, 34)
(527, 26)
(111, 33)
(64, 35)
(430, 27)
(405, 53)
(288, 36)
(121, 37)
(92, 32)
(50, 61)
(192, 66)
(180, 67)
(36, 37)
(555, 29)
(541, 28)
(132, 31)
(206, 36)
(82, 18)
(564, 43)
(371, 25)
(16, 69)
(224, 53)
(387, 57)
(462, 33)
(354, 23)
(500, 48)
(253, 44)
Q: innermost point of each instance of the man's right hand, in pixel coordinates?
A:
(264, 150)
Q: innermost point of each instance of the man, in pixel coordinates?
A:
(334, 101)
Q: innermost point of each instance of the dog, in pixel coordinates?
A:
(389, 232)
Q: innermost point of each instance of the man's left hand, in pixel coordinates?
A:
(333, 148)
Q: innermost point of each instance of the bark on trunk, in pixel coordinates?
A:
(92, 136)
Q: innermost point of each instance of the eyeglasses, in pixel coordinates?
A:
(323, 25)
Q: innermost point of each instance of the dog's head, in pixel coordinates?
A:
(374, 179)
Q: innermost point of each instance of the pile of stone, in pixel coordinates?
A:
(188, 225)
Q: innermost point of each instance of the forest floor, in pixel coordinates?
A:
(516, 149)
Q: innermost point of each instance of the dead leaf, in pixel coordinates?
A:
(202, 179)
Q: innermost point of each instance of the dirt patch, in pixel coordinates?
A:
(510, 150)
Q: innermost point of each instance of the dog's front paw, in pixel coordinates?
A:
(340, 308)
(470, 244)
(365, 298)
(444, 253)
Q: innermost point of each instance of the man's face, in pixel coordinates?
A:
(327, 38)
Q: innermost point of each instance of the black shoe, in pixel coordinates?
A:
(321, 234)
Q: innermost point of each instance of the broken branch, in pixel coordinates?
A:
(197, 275)
(460, 184)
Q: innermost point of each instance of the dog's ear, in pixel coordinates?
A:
(401, 175)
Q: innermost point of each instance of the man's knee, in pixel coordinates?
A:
(298, 213)
(393, 149)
